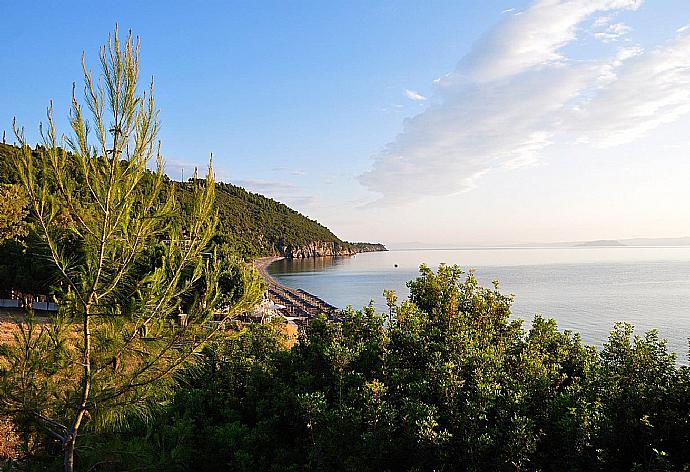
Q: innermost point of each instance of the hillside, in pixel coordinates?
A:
(255, 225)
(250, 224)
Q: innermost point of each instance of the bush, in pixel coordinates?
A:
(452, 383)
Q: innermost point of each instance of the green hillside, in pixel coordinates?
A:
(255, 225)
(250, 224)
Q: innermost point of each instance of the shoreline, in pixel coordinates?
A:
(297, 305)
(261, 265)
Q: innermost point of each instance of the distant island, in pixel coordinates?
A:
(602, 243)
(629, 242)
(685, 241)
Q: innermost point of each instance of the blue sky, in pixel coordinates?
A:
(457, 122)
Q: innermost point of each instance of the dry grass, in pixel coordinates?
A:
(9, 326)
(7, 330)
(9, 441)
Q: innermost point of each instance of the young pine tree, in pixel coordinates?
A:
(114, 348)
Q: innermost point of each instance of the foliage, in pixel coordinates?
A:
(253, 225)
(451, 383)
(124, 266)
(12, 212)
(249, 224)
(8, 173)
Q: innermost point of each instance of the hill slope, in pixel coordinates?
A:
(250, 224)
(255, 225)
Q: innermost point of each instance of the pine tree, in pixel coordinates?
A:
(117, 341)
(12, 212)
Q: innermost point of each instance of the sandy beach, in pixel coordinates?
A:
(261, 264)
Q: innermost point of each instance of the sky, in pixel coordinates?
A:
(439, 122)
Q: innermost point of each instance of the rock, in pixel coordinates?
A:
(327, 249)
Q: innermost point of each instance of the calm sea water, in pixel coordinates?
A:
(585, 289)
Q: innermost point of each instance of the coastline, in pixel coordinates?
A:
(261, 265)
(297, 305)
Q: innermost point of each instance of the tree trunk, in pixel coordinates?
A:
(69, 456)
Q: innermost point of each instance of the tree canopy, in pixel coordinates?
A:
(446, 381)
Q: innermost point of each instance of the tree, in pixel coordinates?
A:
(114, 347)
(450, 382)
(12, 212)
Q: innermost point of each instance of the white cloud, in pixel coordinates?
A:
(608, 72)
(292, 195)
(414, 95)
(287, 170)
(470, 129)
(627, 53)
(650, 89)
(533, 38)
(602, 21)
(516, 94)
(613, 32)
(182, 170)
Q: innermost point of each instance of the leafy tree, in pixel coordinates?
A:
(114, 348)
(446, 380)
(638, 383)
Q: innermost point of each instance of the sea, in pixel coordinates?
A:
(585, 289)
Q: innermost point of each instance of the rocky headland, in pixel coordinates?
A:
(326, 249)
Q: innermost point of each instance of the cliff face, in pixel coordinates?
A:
(326, 249)
(368, 247)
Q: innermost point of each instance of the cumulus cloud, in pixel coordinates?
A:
(516, 93)
(414, 95)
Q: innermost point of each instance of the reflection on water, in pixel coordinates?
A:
(584, 289)
(314, 264)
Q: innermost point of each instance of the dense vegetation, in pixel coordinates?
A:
(254, 225)
(451, 384)
(249, 224)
